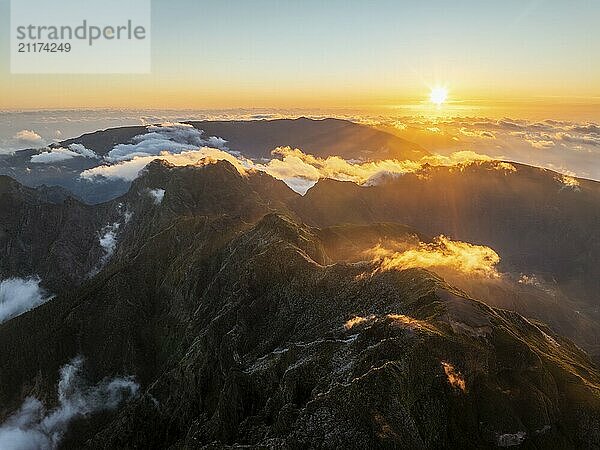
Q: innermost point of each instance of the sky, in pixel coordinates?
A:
(529, 58)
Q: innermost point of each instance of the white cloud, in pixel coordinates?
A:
(53, 155)
(168, 137)
(85, 152)
(108, 241)
(59, 154)
(577, 152)
(29, 137)
(574, 146)
(296, 165)
(34, 428)
(130, 169)
(157, 195)
(297, 169)
(216, 142)
(477, 133)
(557, 144)
(19, 295)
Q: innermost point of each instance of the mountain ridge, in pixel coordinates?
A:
(253, 139)
(245, 326)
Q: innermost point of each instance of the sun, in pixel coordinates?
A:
(438, 95)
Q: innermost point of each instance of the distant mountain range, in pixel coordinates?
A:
(252, 139)
(252, 316)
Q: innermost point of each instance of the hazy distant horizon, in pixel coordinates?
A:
(568, 147)
(536, 55)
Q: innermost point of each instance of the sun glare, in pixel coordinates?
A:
(438, 95)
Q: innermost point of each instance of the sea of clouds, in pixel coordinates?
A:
(182, 144)
(569, 147)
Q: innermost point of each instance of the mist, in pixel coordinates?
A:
(19, 295)
(33, 427)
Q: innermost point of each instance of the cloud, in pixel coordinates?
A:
(85, 152)
(130, 169)
(298, 170)
(34, 428)
(157, 195)
(574, 146)
(108, 241)
(29, 137)
(540, 144)
(356, 320)
(586, 139)
(108, 237)
(53, 156)
(443, 253)
(569, 182)
(477, 133)
(59, 154)
(495, 140)
(179, 144)
(19, 295)
(295, 165)
(577, 152)
(168, 137)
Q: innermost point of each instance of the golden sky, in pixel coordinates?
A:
(529, 57)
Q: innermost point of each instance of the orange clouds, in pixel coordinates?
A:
(296, 164)
(443, 253)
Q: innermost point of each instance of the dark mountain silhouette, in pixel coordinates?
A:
(326, 137)
(247, 327)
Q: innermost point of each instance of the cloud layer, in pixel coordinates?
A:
(58, 154)
(130, 169)
(168, 137)
(157, 195)
(179, 145)
(298, 166)
(568, 147)
(561, 146)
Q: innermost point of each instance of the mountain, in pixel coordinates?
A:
(544, 227)
(62, 174)
(102, 141)
(536, 222)
(245, 326)
(49, 233)
(326, 137)
(253, 139)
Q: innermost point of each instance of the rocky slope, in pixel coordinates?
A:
(48, 233)
(536, 220)
(246, 327)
